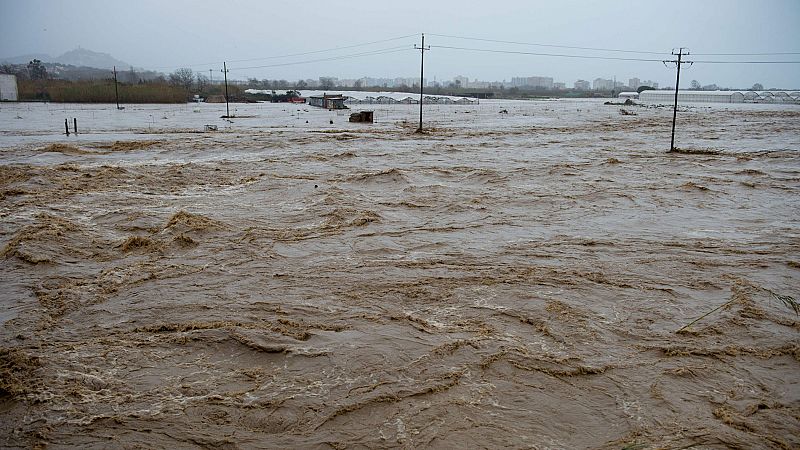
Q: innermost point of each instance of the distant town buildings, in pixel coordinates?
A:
(583, 85)
(465, 82)
(635, 83)
(602, 84)
(533, 82)
(385, 82)
(460, 81)
(650, 83)
(334, 82)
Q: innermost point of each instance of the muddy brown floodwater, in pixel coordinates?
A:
(517, 280)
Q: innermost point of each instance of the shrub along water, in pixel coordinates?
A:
(100, 91)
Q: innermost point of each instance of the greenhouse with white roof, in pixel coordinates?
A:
(381, 98)
(653, 96)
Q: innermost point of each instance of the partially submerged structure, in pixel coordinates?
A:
(381, 98)
(792, 97)
(628, 95)
(395, 98)
(362, 116)
(8, 88)
(215, 99)
(328, 101)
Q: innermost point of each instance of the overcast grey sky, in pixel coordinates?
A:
(166, 34)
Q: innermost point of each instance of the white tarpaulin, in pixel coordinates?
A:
(8, 87)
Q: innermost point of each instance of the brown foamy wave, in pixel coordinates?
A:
(691, 185)
(67, 149)
(185, 221)
(50, 239)
(336, 221)
(139, 244)
(17, 368)
(387, 176)
(488, 176)
(348, 218)
(695, 151)
(118, 146)
(15, 174)
(423, 295)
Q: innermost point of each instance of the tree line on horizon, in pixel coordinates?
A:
(58, 83)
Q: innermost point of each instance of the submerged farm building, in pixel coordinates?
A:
(8, 88)
(721, 97)
(318, 98)
(327, 101)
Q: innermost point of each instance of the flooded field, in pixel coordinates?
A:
(291, 280)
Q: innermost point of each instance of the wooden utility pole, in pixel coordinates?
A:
(225, 72)
(422, 50)
(678, 63)
(116, 89)
(614, 87)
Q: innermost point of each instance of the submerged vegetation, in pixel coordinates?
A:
(99, 91)
(102, 91)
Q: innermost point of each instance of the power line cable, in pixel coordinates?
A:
(746, 62)
(607, 49)
(747, 54)
(363, 44)
(551, 45)
(326, 50)
(613, 58)
(560, 55)
(333, 58)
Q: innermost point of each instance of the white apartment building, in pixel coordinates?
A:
(583, 85)
(602, 84)
(536, 82)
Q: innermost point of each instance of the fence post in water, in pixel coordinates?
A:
(66, 125)
(75, 122)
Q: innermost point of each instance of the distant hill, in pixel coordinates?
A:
(80, 57)
(86, 58)
(79, 64)
(25, 59)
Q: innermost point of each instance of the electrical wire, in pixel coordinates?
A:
(607, 49)
(612, 58)
(746, 62)
(325, 50)
(747, 54)
(560, 55)
(292, 54)
(485, 50)
(552, 45)
(333, 58)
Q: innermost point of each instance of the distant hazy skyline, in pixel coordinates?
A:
(165, 35)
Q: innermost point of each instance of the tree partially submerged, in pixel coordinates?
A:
(37, 70)
(202, 82)
(183, 77)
